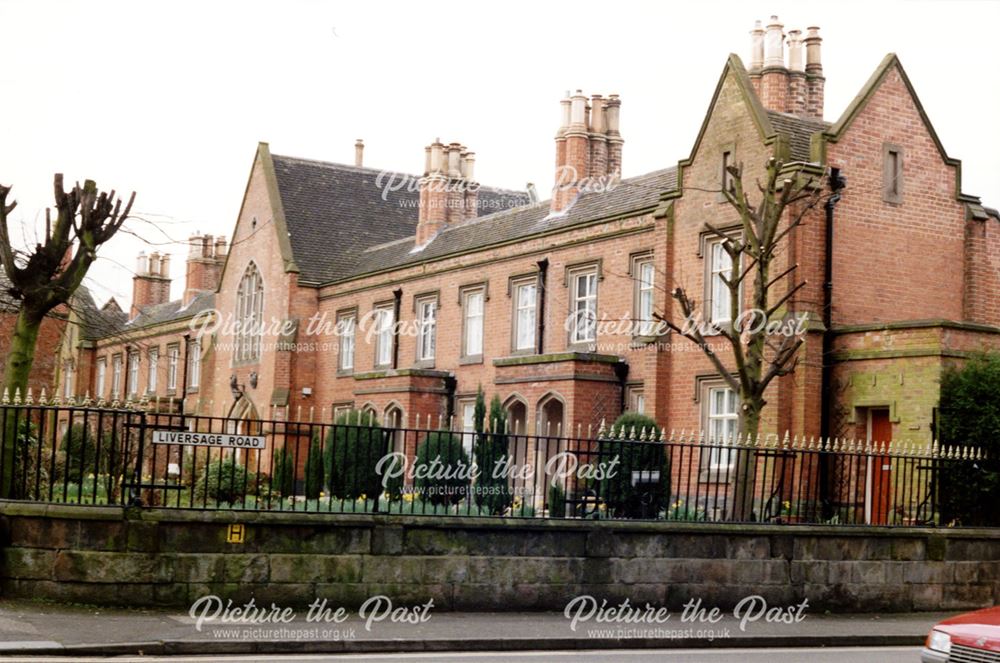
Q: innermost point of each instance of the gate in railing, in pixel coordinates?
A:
(85, 454)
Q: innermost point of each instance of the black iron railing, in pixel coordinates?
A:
(100, 455)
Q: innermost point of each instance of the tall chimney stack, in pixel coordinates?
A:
(564, 114)
(774, 75)
(796, 101)
(795, 86)
(448, 192)
(814, 74)
(206, 254)
(756, 55)
(470, 187)
(359, 153)
(598, 137)
(612, 109)
(588, 145)
(151, 283)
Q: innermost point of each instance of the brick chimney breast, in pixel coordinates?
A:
(796, 99)
(206, 255)
(814, 74)
(448, 192)
(774, 75)
(598, 138)
(795, 86)
(151, 283)
(588, 145)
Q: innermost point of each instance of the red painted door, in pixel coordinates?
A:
(880, 473)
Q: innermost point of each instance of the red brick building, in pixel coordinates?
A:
(43, 369)
(349, 287)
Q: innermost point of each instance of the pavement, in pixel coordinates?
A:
(37, 628)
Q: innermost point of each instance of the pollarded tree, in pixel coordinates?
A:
(47, 277)
(763, 339)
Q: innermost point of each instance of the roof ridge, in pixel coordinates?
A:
(369, 169)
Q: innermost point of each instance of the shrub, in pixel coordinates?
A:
(314, 469)
(557, 501)
(441, 454)
(283, 476)
(970, 415)
(622, 498)
(79, 451)
(352, 454)
(31, 463)
(225, 481)
(492, 492)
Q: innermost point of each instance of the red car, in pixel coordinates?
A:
(970, 638)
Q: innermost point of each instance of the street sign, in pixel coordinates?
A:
(236, 533)
(209, 439)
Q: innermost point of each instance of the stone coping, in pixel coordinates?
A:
(934, 323)
(592, 357)
(401, 373)
(156, 514)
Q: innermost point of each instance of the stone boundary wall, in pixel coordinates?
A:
(117, 556)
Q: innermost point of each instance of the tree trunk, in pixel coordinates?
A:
(19, 361)
(745, 466)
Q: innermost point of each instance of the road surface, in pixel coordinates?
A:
(831, 655)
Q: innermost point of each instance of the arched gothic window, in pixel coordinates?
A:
(250, 312)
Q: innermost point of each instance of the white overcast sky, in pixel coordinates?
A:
(171, 98)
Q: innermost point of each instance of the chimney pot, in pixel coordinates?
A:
(756, 47)
(795, 50)
(564, 115)
(597, 115)
(612, 108)
(142, 264)
(813, 41)
(454, 160)
(470, 166)
(359, 152)
(578, 112)
(165, 265)
(774, 40)
(437, 156)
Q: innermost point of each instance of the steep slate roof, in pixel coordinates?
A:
(96, 322)
(334, 212)
(799, 131)
(629, 195)
(170, 311)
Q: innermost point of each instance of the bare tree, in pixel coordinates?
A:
(761, 338)
(48, 276)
